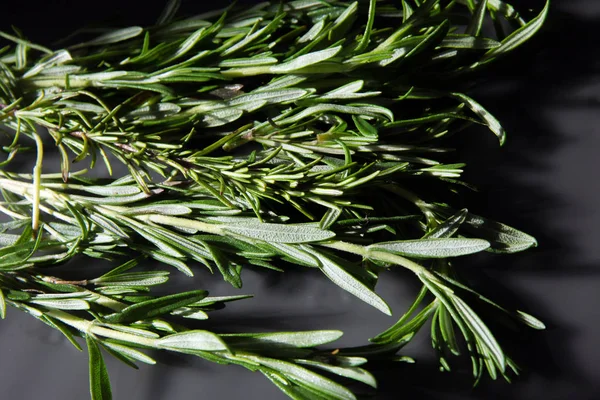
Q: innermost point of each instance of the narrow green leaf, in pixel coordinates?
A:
(271, 97)
(208, 301)
(64, 330)
(230, 271)
(62, 304)
(115, 36)
(447, 330)
(155, 111)
(172, 261)
(481, 330)
(364, 41)
(254, 37)
(129, 352)
(187, 44)
(221, 117)
(364, 127)
(485, 115)
(503, 238)
(99, 380)
(156, 307)
(2, 305)
(25, 43)
(53, 60)
(368, 110)
(281, 82)
(403, 330)
(144, 278)
(306, 377)
(292, 390)
(108, 225)
(402, 326)
(312, 33)
(121, 357)
(279, 233)
(468, 42)
(295, 254)
(348, 92)
(358, 374)
(163, 209)
(430, 40)
(407, 11)
(338, 275)
(432, 248)
(449, 227)
(156, 240)
(330, 217)
(133, 331)
(518, 37)
(476, 23)
(530, 320)
(187, 312)
(343, 23)
(122, 84)
(248, 62)
(193, 341)
(305, 60)
(292, 339)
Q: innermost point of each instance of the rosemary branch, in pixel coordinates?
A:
(296, 132)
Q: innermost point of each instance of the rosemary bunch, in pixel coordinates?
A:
(299, 132)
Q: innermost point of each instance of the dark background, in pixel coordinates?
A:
(543, 181)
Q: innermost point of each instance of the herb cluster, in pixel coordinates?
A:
(256, 137)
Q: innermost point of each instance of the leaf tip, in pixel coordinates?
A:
(530, 320)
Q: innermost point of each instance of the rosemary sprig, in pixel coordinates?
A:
(153, 112)
(124, 320)
(253, 136)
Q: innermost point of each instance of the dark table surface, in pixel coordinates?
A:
(544, 181)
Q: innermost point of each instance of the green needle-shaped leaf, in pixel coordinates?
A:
(502, 238)
(279, 233)
(115, 36)
(190, 341)
(285, 339)
(307, 378)
(146, 278)
(130, 353)
(485, 115)
(62, 304)
(156, 307)
(338, 275)
(520, 36)
(304, 61)
(2, 305)
(99, 380)
(476, 23)
(449, 227)
(358, 374)
(433, 248)
(530, 320)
